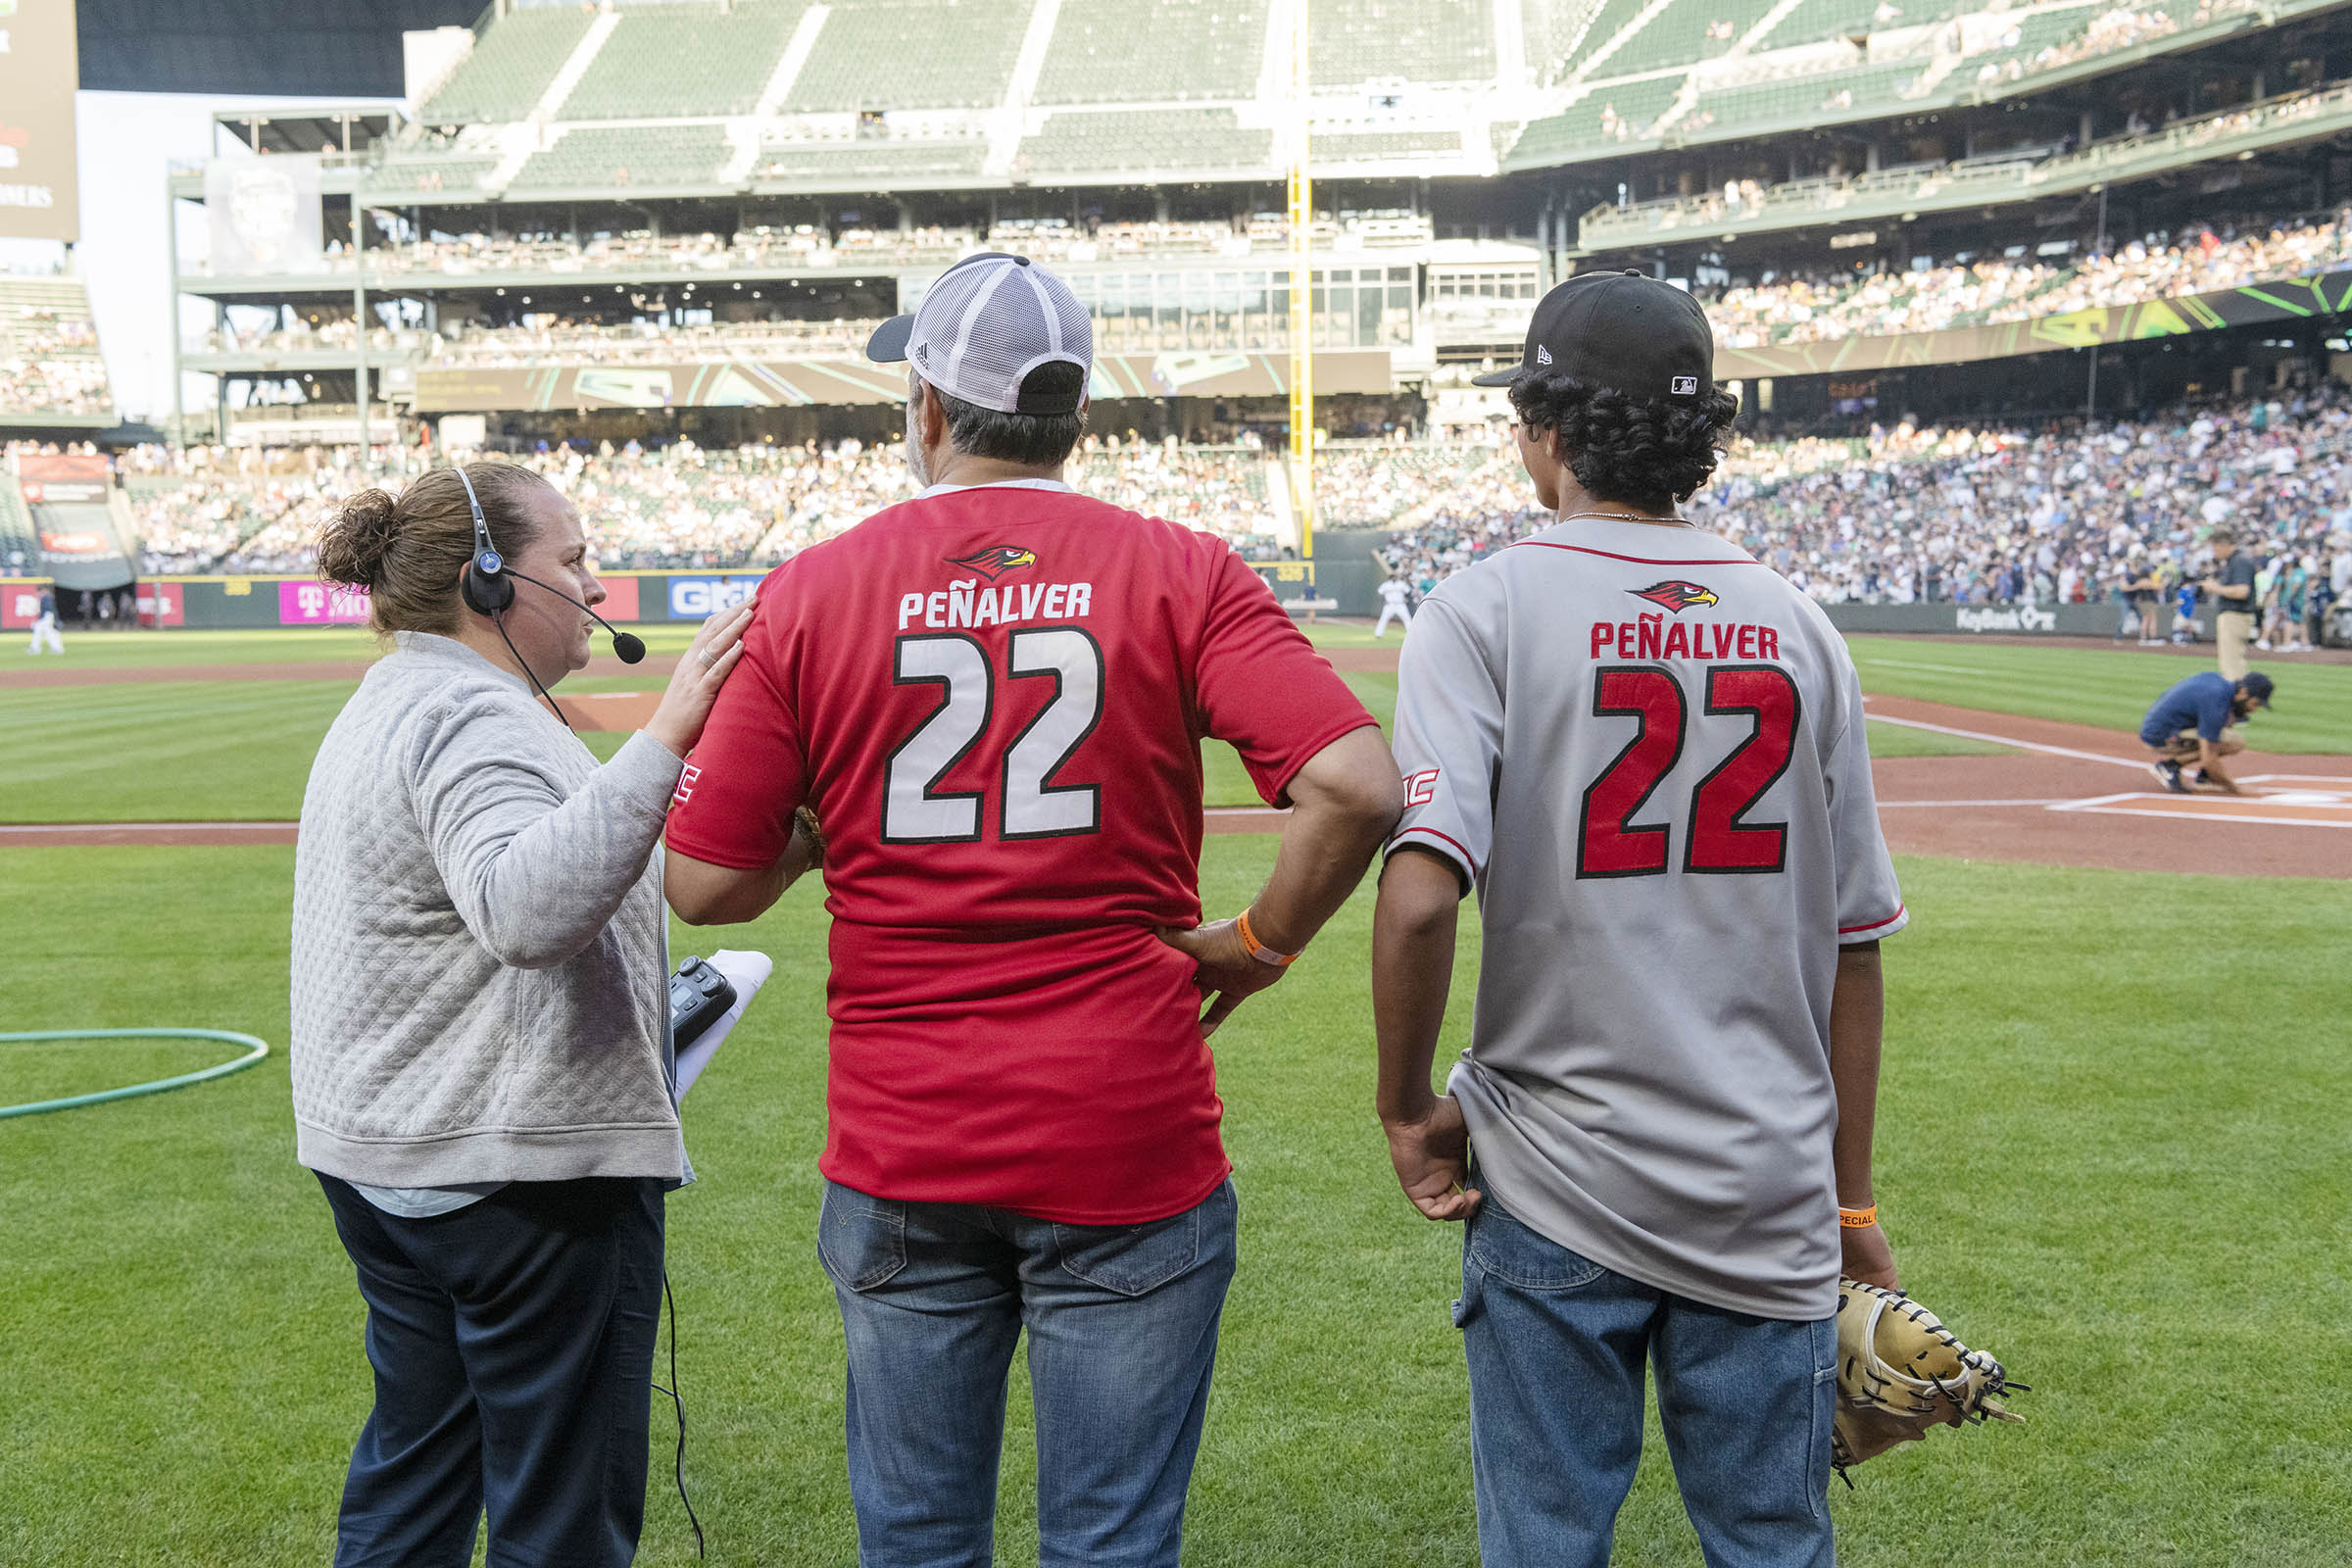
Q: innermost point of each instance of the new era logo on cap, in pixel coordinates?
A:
(1623, 332)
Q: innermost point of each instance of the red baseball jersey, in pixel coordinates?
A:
(994, 699)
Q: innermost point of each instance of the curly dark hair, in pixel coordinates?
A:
(1640, 452)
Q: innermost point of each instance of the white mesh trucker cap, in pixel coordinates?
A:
(985, 324)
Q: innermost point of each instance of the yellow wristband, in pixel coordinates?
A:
(1258, 950)
(1858, 1219)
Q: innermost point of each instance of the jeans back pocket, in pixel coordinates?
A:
(1133, 1259)
(860, 1240)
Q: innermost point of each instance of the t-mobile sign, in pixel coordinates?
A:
(318, 603)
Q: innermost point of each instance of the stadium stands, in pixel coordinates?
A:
(1686, 31)
(18, 547)
(1110, 141)
(1094, 59)
(867, 165)
(685, 60)
(1615, 112)
(49, 360)
(1401, 40)
(1368, 146)
(912, 54)
(634, 158)
(429, 175)
(514, 62)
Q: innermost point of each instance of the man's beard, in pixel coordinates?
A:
(914, 443)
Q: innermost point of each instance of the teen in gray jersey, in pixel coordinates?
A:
(1646, 751)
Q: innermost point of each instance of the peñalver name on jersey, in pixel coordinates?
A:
(1650, 635)
(972, 603)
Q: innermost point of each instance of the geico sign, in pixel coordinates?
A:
(700, 598)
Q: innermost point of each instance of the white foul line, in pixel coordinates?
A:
(2107, 806)
(2005, 740)
(1886, 804)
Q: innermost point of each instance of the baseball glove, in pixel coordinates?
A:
(1901, 1372)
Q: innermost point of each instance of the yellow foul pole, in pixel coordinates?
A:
(1303, 357)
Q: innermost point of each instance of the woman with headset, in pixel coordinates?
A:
(481, 1052)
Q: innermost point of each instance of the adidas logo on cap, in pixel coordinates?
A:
(1542, 354)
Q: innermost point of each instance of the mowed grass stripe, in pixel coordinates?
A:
(167, 751)
(2110, 688)
(2129, 1188)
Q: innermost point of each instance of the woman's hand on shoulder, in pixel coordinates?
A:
(678, 720)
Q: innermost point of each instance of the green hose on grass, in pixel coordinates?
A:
(254, 1052)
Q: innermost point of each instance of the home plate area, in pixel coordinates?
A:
(2074, 794)
(2281, 798)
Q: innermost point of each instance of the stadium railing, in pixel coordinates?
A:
(1800, 203)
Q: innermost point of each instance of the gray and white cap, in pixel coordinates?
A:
(986, 324)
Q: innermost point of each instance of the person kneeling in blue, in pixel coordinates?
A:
(2193, 722)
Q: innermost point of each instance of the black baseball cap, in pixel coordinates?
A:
(2257, 686)
(1625, 330)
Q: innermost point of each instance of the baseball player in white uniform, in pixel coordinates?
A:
(44, 625)
(1395, 604)
(1646, 752)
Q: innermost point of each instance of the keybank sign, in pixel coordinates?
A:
(2005, 617)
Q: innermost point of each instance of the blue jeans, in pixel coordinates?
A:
(1122, 1324)
(1557, 1347)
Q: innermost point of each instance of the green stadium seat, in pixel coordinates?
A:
(685, 60)
(1183, 139)
(634, 158)
(400, 175)
(514, 62)
(1687, 31)
(1606, 117)
(1401, 40)
(912, 54)
(1094, 59)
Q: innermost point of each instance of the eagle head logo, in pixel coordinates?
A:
(1676, 595)
(995, 561)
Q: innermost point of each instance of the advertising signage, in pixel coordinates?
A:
(39, 69)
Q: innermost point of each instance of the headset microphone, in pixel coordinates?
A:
(627, 646)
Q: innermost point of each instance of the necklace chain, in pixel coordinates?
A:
(1626, 516)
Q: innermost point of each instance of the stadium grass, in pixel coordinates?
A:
(2111, 1152)
(240, 751)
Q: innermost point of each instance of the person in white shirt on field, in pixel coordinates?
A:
(1395, 604)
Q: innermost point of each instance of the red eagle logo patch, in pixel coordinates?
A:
(1676, 595)
(995, 561)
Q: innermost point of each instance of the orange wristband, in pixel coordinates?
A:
(1258, 950)
(1858, 1219)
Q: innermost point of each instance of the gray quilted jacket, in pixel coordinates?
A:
(480, 945)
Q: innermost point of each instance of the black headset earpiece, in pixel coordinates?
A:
(486, 588)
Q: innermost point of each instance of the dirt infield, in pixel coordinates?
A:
(2071, 795)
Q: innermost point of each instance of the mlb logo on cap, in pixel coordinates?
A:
(1685, 386)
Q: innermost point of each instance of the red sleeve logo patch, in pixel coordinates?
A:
(685, 790)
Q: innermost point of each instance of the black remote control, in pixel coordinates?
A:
(698, 997)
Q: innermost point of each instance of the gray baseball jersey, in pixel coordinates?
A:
(1647, 752)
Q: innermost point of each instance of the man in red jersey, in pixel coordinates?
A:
(993, 697)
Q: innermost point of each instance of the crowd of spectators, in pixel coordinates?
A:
(2056, 514)
(49, 363)
(679, 507)
(1973, 292)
